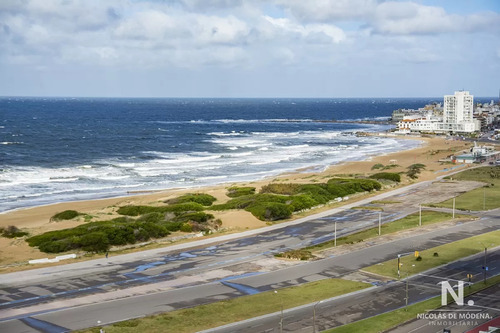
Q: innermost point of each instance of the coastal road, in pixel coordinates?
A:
(70, 316)
(184, 275)
(391, 296)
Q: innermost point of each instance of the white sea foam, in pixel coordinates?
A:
(257, 155)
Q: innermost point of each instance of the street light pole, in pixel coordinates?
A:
(420, 215)
(453, 207)
(335, 236)
(379, 223)
(281, 317)
(399, 265)
(314, 315)
(485, 267)
(484, 198)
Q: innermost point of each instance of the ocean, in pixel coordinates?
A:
(64, 149)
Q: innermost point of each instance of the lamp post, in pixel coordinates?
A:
(485, 268)
(335, 237)
(407, 298)
(420, 215)
(314, 315)
(484, 198)
(453, 207)
(281, 317)
(379, 223)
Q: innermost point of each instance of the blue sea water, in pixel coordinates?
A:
(63, 149)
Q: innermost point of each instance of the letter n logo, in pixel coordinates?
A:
(447, 288)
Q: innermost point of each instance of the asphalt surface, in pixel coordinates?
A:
(50, 300)
(391, 296)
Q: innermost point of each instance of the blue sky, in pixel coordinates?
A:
(259, 48)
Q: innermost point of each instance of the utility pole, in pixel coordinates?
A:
(420, 215)
(380, 223)
(484, 198)
(406, 298)
(485, 267)
(399, 265)
(281, 318)
(453, 207)
(335, 235)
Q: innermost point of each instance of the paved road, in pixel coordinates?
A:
(110, 311)
(458, 319)
(346, 309)
(179, 279)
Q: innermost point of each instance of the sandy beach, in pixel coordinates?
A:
(36, 220)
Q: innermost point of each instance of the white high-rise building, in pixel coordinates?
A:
(458, 108)
(457, 117)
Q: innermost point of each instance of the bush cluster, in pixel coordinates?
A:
(235, 191)
(175, 208)
(66, 215)
(395, 177)
(278, 201)
(151, 222)
(97, 236)
(414, 170)
(199, 198)
(12, 231)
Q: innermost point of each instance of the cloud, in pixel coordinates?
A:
(408, 18)
(328, 10)
(321, 33)
(261, 36)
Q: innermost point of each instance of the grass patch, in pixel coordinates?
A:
(487, 197)
(446, 253)
(407, 222)
(394, 318)
(224, 312)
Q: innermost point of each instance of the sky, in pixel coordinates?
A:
(253, 48)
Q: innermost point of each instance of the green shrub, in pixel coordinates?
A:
(66, 215)
(414, 170)
(395, 177)
(234, 192)
(200, 198)
(135, 210)
(377, 166)
(172, 226)
(94, 242)
(200, 217)
(271, 211)
(151, 217)
(182, 207)
(12, 232)
(286, 189)
(98, 236)
(186, 227)
(302, 201)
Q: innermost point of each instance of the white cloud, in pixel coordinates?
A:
(278, 36)
(411, 18)
(328, 10)
(307, 32)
